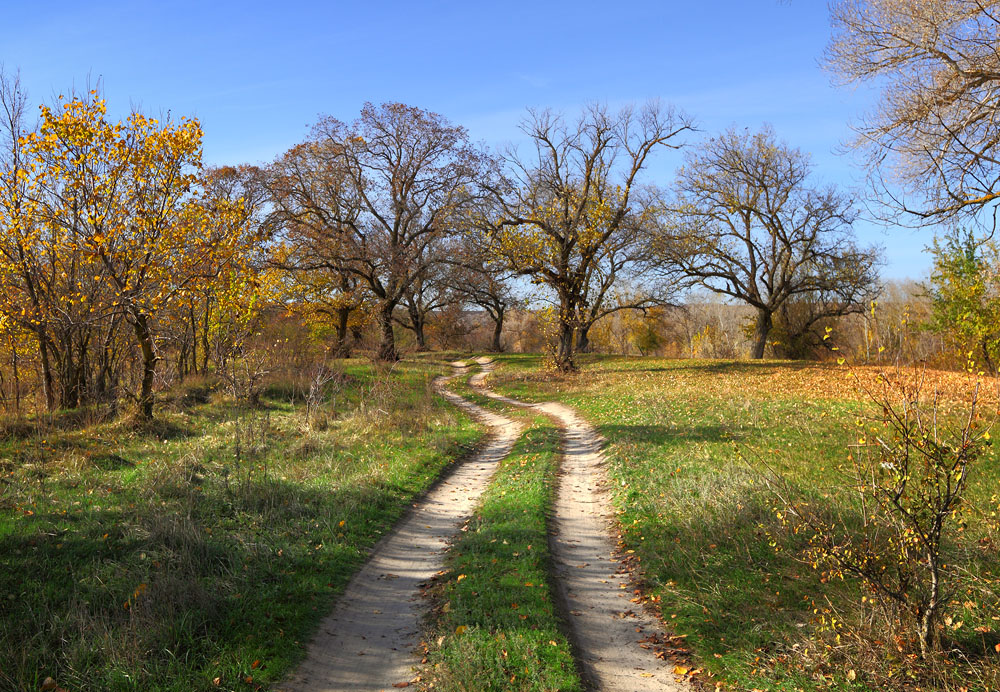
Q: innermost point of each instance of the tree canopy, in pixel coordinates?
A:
(370, 198)
(746, 223)
(573, 197)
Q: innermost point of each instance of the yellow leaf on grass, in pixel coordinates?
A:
(460, 629)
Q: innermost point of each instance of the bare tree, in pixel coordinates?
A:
(573, 195)
(429, 291)
(310, 243)
(939, 69)
(746, 224)
(477, 276)
(368, 198)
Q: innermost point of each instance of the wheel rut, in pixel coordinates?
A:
(367, 642)
(606, 627)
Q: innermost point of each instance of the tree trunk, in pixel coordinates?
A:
(145, 337)
(357, 335)
(497, 345)
(69, 393)
(760, 333)
(47, 384)
(84, 387)
(17, 378)
(564, 354)
(194, 339)
(387, 348)
(182, 360)
(583, 338)
(417, 325)
(204, 337)
(984, 347)
(342, 349)
(105, 389)
(928, 613)
(418, 330)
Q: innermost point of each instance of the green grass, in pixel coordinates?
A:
(495, 626)
(688, 442)
(209, 545)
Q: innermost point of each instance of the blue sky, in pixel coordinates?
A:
(258, 73)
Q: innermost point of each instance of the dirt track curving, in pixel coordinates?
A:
(367, 642)
(605, 625)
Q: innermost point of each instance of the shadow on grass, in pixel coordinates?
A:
(728, 367)
(57, 421)
(732, 578)
(177, 590)
(707, 554)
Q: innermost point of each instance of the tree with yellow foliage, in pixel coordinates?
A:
(50, 287)
(120, 206)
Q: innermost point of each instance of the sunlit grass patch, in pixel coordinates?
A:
(691, 448)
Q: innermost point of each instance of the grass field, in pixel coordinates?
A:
(199, 554)
(689, 444)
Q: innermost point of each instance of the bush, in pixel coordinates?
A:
(907, 478)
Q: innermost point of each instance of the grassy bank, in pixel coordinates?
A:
(495, 626)
(689, 443)
(200, 553)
